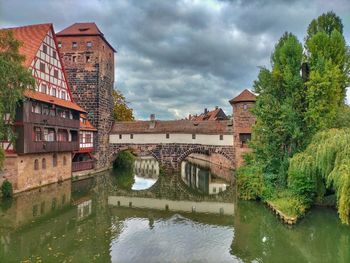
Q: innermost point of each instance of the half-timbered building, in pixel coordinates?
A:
(47, 120)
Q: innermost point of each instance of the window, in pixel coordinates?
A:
(43, 88)
(46, 110)
(245, 107)
(88, 59)
(37, 134)
(74, 44)
(244, 138)
(89, 44)
(36, 164)
(74, 58)
(120, 136)
(221, 137)
(87, 138)
(62, 135)
(42, 67)
(54, 160)
(63, 95)
(167, 136)
(131, 136)
(54, 54)
(49, 135)
(53, 92)
(64, 160)
(59, 44)
(43, 163)
(45, 49)
(52, 112)
(36, 108)
(55, 73)
(193, 136)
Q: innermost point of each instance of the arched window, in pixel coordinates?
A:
(43, 163)
(54, 160)
(36, 164)
(64, 160)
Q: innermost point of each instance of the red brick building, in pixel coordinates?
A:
(243, 120)
(47, 121)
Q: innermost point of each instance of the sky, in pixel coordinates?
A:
(177, 57)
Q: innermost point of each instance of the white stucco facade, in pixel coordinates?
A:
(204, 139)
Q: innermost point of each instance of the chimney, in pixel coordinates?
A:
(152, 123)
(216, 107)
(189, 117)
(205, 111)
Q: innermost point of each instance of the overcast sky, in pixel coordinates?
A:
(178, 57)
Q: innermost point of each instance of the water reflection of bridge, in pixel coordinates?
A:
(147, 167)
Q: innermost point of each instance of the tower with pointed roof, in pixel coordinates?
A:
(89, 61)
(47, 121)
(243, 120)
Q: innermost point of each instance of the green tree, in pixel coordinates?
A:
(14, 79)
(121, 110)
(279, 108)
(329, 61)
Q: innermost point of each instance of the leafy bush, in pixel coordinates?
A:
(125, 178)
(6, 189)
(249, 182)
(125, 159)
(290, 205)
(269, 185)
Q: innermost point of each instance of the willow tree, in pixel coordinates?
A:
(328, 58)
(14, 79)
(279, 108)
(325, 164)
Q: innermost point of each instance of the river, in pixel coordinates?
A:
(144, 215)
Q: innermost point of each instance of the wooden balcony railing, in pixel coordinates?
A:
(42, 147)
(52, 120)
(83, 165)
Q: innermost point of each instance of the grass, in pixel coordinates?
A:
(289, 205)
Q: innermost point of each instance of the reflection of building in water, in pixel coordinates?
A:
(31, 205)
(146, 167)
(84, 208)
(201, 179)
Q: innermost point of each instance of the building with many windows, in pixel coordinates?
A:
(47, 121)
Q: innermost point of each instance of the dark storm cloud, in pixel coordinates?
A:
(179, 57)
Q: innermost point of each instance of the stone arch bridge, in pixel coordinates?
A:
(170, 142)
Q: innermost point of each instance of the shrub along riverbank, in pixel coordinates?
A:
(300, 142)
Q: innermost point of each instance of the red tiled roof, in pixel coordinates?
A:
(177, 126)
(87, 125)
(53, 100)
(83, 29)
(32, 36)
(209, 116)
(245, 96)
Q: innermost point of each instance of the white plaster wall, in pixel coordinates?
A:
(203, 139)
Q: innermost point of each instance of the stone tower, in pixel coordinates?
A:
(89, 63)
(243, 120)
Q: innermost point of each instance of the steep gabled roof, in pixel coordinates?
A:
(83, 29)
(32, 36)
(86, 126)
(216, 114)
(245, 96)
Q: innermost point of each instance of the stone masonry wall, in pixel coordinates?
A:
(171, 155)
(90, 72)
(243, 122)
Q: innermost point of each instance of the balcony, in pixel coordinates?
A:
(83, 165)
(43, 147)
(52, 120)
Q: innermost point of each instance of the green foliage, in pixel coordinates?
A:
(125, 177)
(280, 128)
(121, 110)
(125, 159)
(6, 189)
(249, 182)
(14, 79)
(290, 205)
(326, 164)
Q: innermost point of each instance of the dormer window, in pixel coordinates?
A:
(74, 44)
(59, 44)
(89, 44)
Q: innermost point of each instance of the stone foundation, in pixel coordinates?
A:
(20, 170)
